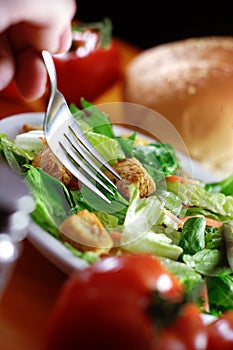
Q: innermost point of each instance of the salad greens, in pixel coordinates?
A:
(184, 222)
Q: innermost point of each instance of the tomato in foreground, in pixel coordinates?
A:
(220, 332)
(91, 65)
(124, 302)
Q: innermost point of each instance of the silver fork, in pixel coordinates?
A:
(68, 142)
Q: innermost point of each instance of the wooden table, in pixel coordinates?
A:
(36, 282)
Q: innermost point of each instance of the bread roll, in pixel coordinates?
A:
(190, 82)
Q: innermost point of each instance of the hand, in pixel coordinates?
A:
(27, 27)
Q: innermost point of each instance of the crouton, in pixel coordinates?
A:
(132, 171)
(85, 232)
(30, 127)
(50, 164)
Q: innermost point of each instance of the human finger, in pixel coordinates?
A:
(49, 14)
(31, 74)
(65, 40)
(49, 39)
(7, 63)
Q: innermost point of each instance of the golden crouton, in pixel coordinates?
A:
(46, 160)
(85, 232)
(30, 127)
(132, 172)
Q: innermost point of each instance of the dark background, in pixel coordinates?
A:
(148, 23)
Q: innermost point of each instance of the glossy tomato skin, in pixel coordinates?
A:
(11, 92)
(105, 306)
(188, 332)
(220, 332)
(88, 76)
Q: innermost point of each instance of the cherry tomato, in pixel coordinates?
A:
(11, 92)
(220, 332)
(122, 302)
(187, 332)
(90, 67)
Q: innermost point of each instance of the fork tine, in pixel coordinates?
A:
(66, 144)
(67, 141)
(83, 152)
(68, 164)
(86, 143)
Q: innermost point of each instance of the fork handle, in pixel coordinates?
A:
(48, 59)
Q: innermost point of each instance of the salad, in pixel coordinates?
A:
(157, 208)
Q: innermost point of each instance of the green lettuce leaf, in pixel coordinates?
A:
(220, 292)
(154, 243)
(188, 277)
(225, 186)
(127, 144)
(197, 196)
(86, 199)
(96, 119)
(205, 261)
(15, 156)
(109, 148)
(158, 159)
(193, 235)
(141, 215)
(52, 200)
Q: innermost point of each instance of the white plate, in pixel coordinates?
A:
(55, 251)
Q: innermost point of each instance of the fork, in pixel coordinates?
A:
(68, 142)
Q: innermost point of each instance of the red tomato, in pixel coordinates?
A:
(187, 332)
(220, 332)
(122, 302)
(87, 69)
(11, 92)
